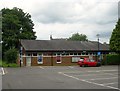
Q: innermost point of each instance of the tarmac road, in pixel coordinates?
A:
(61, 77)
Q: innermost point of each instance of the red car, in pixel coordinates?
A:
(88, 62)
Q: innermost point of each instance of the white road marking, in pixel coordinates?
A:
(102, 70)
(87, 81)
(3, 72)
(110, 83)
(103, 78)
(95, 74)
(41, 67)
(70, 67)
(96, 71)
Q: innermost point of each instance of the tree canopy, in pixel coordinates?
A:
(78, 37)
(15, 25)
(115, 38)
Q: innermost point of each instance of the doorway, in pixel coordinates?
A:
(28, 61)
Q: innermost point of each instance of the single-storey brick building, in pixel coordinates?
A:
(59, 52)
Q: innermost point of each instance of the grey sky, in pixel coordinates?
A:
(65, 17)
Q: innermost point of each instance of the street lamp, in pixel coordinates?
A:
(98, 35)
(98, 53)
(20, 47)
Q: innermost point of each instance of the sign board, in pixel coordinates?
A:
(99, 53)
(40, 60)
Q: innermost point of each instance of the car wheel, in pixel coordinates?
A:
(80, 65)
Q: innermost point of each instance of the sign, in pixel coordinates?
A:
(40, 61)
(99, 53)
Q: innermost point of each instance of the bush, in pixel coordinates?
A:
(4, 64)
(11, 56)
(112, 59)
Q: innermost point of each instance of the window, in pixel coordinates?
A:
(92, 60)
(75, 53)
(58, 53)
(75, 59)
(28, 54)
(34, 54)
(58, 59)
(71, 53)
(79, 53)
(83, 53)
(67, 53)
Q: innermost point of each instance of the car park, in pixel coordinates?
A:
(88, 62)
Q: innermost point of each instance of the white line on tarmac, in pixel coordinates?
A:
(110, 83)
(70, 67)
(103, 78)
(102, 70)
(41, 67)
(95, 74)
(92, 71)
(87, 81)
(3, 72)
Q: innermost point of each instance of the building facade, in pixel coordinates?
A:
(60, 52)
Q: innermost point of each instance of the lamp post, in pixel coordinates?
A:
(98, 36)
(20, 47)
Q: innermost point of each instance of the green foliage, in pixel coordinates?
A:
(4, 64)
(78, 37)
(11, 56)
(12, 21)
(0, 63)
(112, 59)
(115, 38)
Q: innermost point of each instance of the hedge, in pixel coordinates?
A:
(112, 59)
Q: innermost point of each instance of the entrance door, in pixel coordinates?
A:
(28, 61)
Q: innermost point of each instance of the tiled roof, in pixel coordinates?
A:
(62, 45)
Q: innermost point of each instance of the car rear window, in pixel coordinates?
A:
(92, 60)
(81, 59)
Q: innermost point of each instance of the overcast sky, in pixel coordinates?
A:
(62, 18)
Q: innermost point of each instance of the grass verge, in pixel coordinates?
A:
(4, 64)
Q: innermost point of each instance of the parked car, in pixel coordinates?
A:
(88, 62)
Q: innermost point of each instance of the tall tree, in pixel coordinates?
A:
(115, 38)
(78, 37)
(12, 21)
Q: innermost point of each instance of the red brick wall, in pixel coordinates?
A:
(47, 61)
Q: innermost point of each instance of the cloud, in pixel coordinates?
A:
(62, 12)
(65, 17)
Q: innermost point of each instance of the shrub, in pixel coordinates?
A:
(112, 59)
(4, 64)
(11, 56)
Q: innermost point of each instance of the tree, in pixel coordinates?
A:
(78, 37)
(115, 38)
(12, 21)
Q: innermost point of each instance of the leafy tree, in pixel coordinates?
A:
(78, 37)
(13, 20)
(115, 38)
